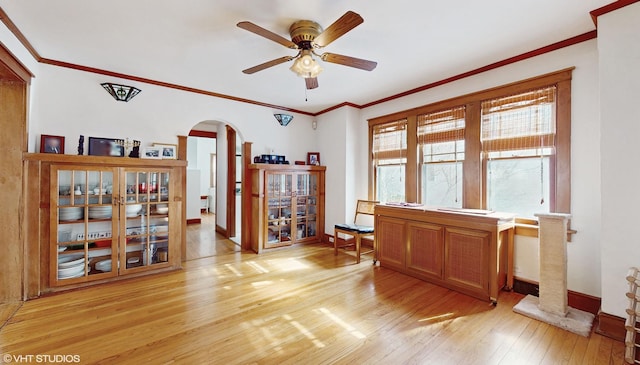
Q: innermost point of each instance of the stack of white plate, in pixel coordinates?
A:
(70, 213)
(100, 211)
(133, 210)
(162, 208)
(71, 266)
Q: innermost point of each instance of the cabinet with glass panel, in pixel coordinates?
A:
(287, 205)
(110, 221)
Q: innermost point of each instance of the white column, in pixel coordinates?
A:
(553, 263)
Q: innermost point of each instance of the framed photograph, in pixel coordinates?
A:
(167, 151)
(313, 158)
(51, 144)
(105, 147)
(151, 152)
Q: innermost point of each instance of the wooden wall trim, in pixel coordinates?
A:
(609, 8)
(577, 300)
(552, 47)
(18, 34)
(204, 134)
(182, 156)
(537, 52)
(611, 326)
(231, 182)
(221, 230)
(245, 229)
(165, 84)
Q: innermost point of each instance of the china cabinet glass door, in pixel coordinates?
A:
(84, 214)
(145, 216)
(306, 205)
(279, 196)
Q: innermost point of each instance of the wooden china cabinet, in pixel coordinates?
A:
(287, 205)
(101, 219)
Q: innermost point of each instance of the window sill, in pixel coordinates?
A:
(529, 228)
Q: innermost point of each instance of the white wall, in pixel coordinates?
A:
(193, 196)
(619, 49)
(199, 152)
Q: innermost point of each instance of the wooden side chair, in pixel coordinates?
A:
(363, 208)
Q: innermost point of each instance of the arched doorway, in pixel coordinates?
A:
(214, 158)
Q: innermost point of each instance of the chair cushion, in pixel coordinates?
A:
(355, 228)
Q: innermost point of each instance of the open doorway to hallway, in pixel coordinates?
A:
(213, 190)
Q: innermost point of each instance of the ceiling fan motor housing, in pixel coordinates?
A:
(303, 32)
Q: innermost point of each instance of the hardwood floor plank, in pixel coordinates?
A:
(292, 306)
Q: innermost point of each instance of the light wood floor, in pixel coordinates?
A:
(300, 305)
(203, 241)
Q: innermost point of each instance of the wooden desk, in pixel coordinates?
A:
(459, 249)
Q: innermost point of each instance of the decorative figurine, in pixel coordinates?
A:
(81, 145)
(135, 150)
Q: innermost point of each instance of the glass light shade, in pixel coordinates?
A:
(121, 92)
(305, 66)
(283, 119)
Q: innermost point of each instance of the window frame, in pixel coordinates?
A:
(474, 165)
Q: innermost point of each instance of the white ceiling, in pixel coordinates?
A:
(195, 43)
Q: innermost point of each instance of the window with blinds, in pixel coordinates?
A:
(390, 159)
(441, 150)
(518, 143)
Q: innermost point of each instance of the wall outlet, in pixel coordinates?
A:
(330, 239)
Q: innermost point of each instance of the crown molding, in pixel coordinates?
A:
(609, 8)
(537, 52)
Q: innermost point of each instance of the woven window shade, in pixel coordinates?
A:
(441, 134)
(442, 126)
(390, 140)
(519, 122)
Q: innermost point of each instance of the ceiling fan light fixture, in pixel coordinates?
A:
(305, 66)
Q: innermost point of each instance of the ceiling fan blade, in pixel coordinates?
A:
(311, 82)
(267, 64)
(349, 61)
(336, 30)
(267, 34)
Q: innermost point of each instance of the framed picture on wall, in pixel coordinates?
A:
(51, 144)
(105, 147)
(313, 158)
(167, 151)
(151, 152)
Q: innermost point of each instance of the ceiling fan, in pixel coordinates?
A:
(308, 36)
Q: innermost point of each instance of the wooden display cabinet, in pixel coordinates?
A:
(106, 218)
(287, 205)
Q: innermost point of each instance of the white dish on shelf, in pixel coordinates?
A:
(70, 213)
(162, 208)
(70, 261)
(61, 248)
(71, 271)
(133, 210)
(133, 260)
(71, 274)
(100, 211)
(104, 265)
